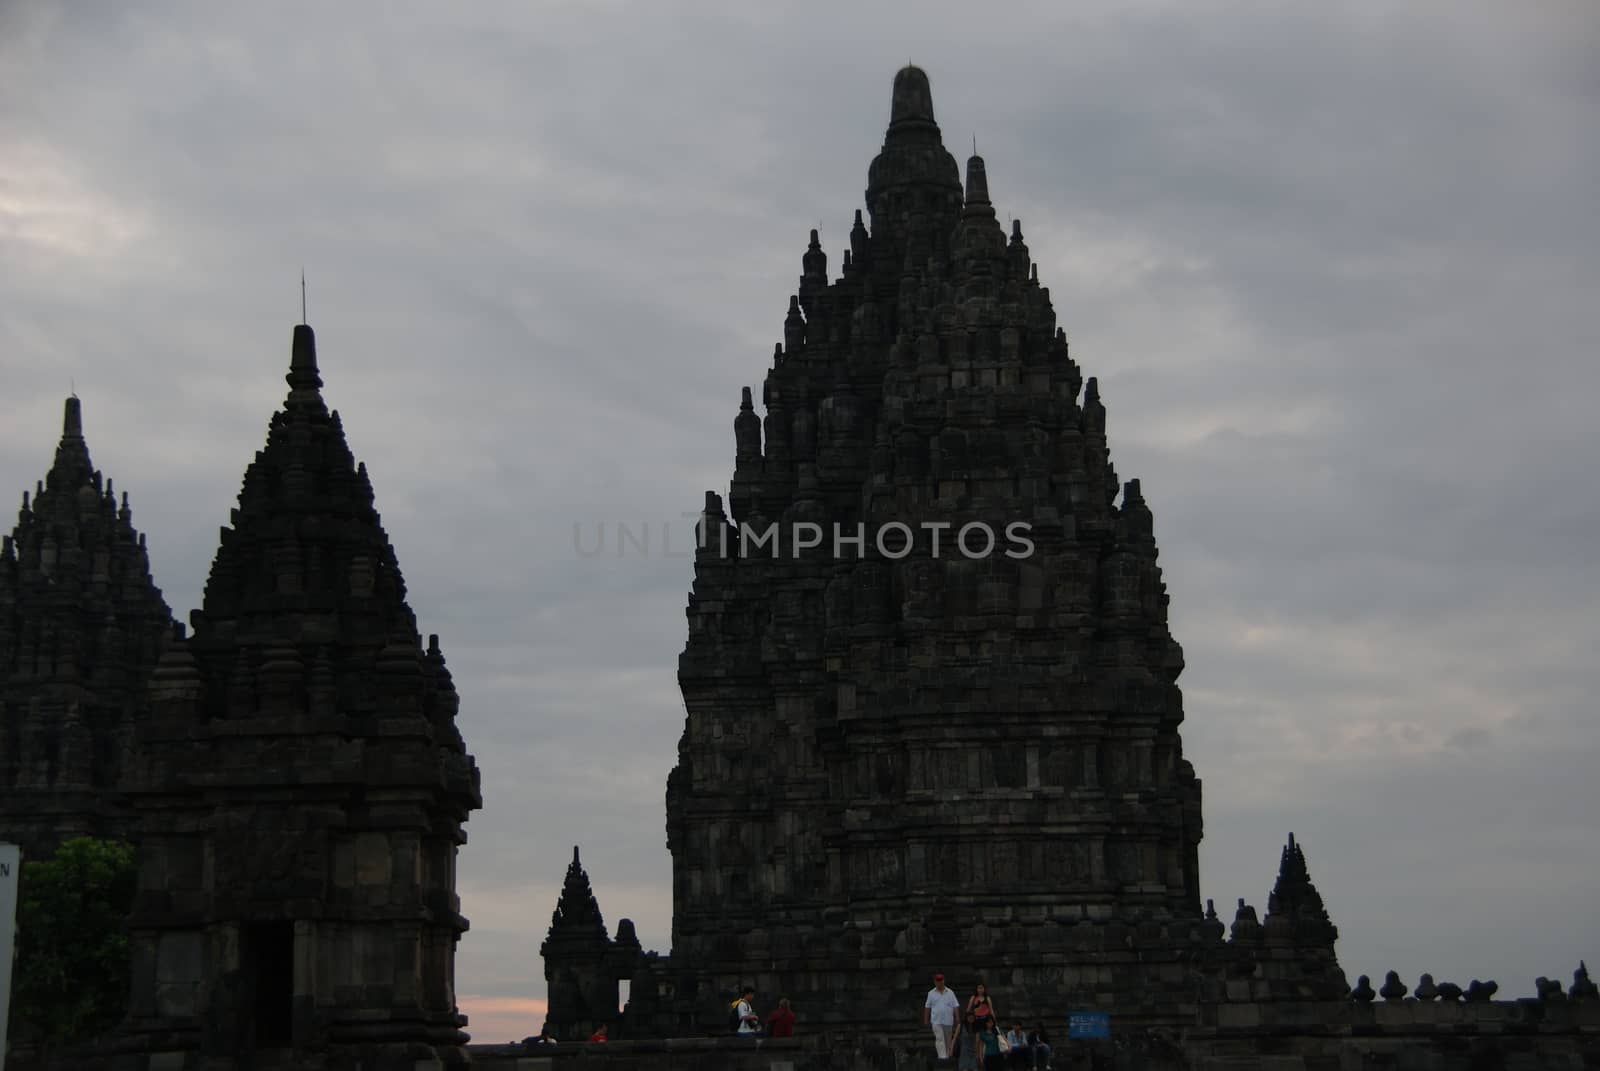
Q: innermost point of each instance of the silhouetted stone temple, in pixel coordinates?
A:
(899, 759)
(81, 627)
(959, 753)
(582, 964)
(907, 748)
(301, 788)
(870, 734)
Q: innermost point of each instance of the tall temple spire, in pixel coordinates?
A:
(928, 390)
(310, 738)
(82, 625)
(914, 184)
(307, 463)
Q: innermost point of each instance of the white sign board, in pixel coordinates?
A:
(10, 874)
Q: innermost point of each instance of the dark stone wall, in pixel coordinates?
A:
(1396, 1036)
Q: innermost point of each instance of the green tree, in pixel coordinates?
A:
(71, 977)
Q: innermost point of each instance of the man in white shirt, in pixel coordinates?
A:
(940, 1013)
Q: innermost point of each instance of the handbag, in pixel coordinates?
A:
(1005, 1046)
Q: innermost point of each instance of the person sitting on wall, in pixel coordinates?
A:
(599, 1035)
(780, 1024)
(1039, 1044)
(1017, 1054)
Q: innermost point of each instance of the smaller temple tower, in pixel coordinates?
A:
(1287, 958)
(1297, 937)
(81, 627)
(582, 965)
(301, 789)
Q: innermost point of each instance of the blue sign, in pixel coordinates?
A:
(1089, 1025)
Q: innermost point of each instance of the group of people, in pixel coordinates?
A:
(972, 1033)
(780, 1024)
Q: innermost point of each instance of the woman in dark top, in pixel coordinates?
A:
(980, 1005)
(989, 1036)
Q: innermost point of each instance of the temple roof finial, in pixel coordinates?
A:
(72, 467)
(913, 97)
(977, 181)
(814, 265)
(303, 373)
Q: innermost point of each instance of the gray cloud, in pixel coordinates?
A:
(1334, 270)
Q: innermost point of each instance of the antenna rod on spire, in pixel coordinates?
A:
(302, 295)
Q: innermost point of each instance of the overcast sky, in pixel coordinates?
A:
(1335, 269)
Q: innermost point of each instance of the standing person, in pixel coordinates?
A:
(780, 1024)
(744, 1011)
(980, 1005)
(989, 1034)
(968, 1047)
(939, 1012)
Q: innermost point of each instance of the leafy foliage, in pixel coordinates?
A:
(71, 978)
